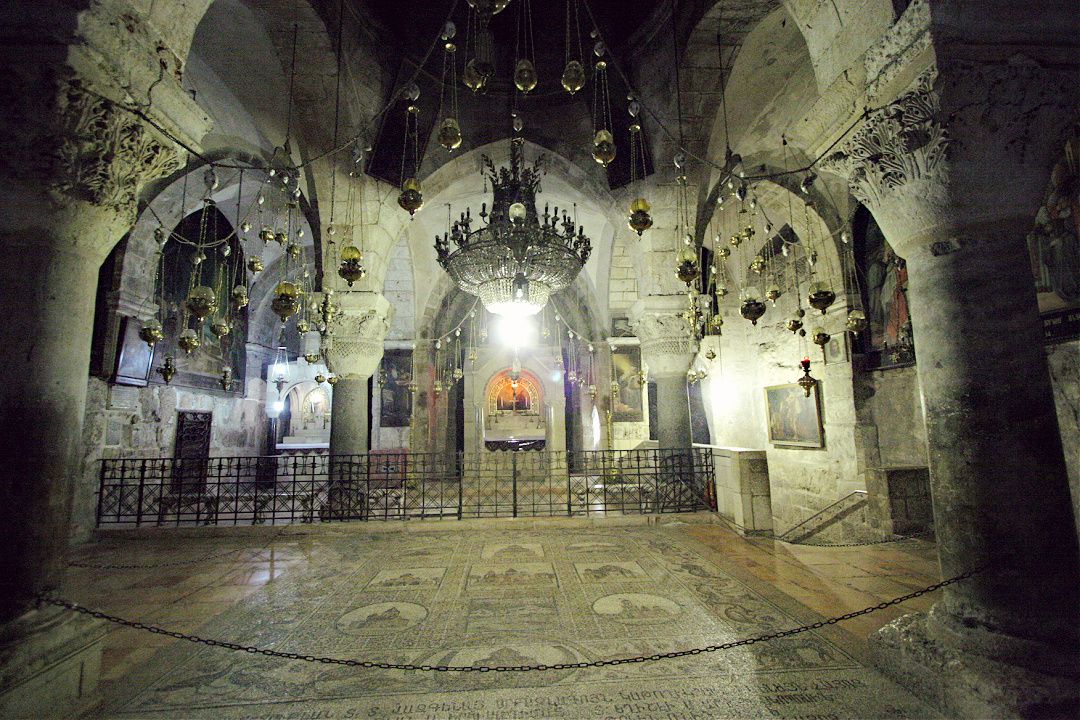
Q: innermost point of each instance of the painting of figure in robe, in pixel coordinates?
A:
(626, 371)
(395, 408)
(794, 418)
(884, 284)
(1054, 241)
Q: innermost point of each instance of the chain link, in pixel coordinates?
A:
(252, 650)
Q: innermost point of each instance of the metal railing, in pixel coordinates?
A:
(399, 486)
(787, 534)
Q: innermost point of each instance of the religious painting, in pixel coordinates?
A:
(626, 405)
(134, 357)
(794, 419)
(836, 350)
(1054, 248)
(884, 284)
(395, 405)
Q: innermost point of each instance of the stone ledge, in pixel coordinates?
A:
(966, 685)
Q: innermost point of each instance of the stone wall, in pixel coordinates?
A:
(1064, 359)
(132, 422)
(894, 402)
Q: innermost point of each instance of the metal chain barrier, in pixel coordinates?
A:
(252, 650)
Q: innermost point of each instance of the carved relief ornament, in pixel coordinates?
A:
(899, 144)
(103, 153)
(667, 342)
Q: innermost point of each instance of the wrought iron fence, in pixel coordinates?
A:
(402, 485)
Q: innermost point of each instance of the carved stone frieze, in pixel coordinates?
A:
(899, 144)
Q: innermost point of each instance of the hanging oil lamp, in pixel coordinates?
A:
(686, 267)
(188, 340)
(351, 267)
(856, 322)
(286, 300)
(312, 358)
(806, 382)
(303, 326)
(821, 297)
(411, 198)
(603, 142)
(201, 301)
(226, 379)
(220, 327)
(449, 135)
(757, 265)
(320, 379)
(255, 264)
(795, 325)
(332, 380)
(772, 293)
(603, 147)
(573, 77)
(167, 369)
(281, 238)
(716, 325)
(473, 78)
(821, 338)
(239, 297)
(640, 220)
(294, 251)
(525, 75)
(751, 307)
(266, 234)
(151, 333)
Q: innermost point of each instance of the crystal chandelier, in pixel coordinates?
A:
(518, 259)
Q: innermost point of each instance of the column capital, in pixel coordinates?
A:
(668, 344)
(355, 346)
(968, 144)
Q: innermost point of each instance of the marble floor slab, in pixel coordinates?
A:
(498, 594)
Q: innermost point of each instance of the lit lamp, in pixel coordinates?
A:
(806, 382)
(279, 371)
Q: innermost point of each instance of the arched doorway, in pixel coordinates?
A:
(514, 417)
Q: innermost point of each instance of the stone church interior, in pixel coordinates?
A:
(567, 359)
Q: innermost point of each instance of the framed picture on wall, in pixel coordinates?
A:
(794, 419)
(626, 405)
(836, 350)
(395, 407)
(134, 358)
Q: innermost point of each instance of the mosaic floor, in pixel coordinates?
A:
(499, 594)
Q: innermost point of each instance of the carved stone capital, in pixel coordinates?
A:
(901, 145)
(104, 154)
(356, 345)
(70, 147)
(668, 344)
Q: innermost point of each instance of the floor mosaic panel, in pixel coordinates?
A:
(509, 597)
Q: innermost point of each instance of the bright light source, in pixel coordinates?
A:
(516, 332)
(279, 405)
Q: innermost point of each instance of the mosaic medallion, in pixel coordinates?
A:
(381, 618)
(637, 608)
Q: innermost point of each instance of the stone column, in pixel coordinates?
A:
(956, 202)
(667, 348)
(352, 354)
